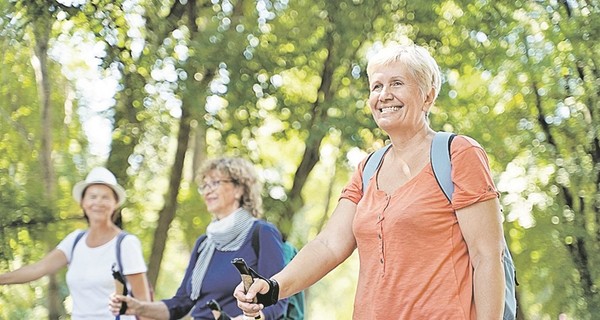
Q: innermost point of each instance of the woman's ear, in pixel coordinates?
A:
(429, 98)
(239, 193)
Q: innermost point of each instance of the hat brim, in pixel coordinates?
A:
(80, 187)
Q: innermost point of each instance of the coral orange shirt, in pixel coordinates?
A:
(414, 262)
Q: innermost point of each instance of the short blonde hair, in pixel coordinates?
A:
(243, 174)
(418, 60)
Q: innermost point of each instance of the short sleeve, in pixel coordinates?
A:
(66, 245)
(132, 256)
(471, 173)
(353, 190)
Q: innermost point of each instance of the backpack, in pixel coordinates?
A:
(442, 167)
(295, 308)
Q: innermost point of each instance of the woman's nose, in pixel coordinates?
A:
(385, 94)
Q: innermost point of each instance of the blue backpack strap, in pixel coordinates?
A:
(77, 238)
(373, 162)
(256, 239)
(442, 171)
(120, 238)
(440, 162)
(510, 277)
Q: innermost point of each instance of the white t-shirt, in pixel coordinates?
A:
(89, 276)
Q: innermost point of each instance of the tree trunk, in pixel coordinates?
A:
(167, 214)
(317, 131)
(190, 100)
(126, 134)
(39, 61)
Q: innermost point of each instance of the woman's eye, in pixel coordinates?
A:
(396, 83)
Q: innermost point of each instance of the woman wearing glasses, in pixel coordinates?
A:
(232, 194)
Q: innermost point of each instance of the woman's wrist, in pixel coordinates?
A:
(272, 296)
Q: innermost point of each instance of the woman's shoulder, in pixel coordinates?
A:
(463, 141)
(75, 236)
(128, 241)
(125, 236)
(265, 227)
(68, 243)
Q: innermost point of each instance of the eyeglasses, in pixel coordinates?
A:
(212, 185)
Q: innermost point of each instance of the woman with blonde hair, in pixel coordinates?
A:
(422, 255)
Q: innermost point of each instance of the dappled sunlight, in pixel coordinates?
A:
(519, 184)
(153, 89)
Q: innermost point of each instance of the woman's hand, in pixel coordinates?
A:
(145, 309)
(117, 300)
(245, 299)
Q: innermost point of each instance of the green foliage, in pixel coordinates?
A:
(283, 84)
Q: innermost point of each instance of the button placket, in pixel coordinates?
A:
(380, 235)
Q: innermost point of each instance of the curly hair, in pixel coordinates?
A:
(243, 174)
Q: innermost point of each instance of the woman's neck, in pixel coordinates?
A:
(100, 233)
(102, 226)
(222, 216)
(409, 140)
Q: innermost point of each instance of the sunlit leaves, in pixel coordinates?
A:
(520, 77)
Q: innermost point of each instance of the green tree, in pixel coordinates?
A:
(283, 83)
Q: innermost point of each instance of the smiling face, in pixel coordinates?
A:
(396, 99)
(221, 194)
(99, 203)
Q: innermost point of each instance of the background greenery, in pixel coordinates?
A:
(283, 83)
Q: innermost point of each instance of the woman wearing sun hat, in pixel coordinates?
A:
(90, 254)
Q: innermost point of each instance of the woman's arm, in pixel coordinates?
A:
(53, 261)
(151, 310)
(481, 226)
(334, 244)
(179, 305)
(140, 287)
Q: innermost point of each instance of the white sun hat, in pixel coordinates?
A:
(99, 175)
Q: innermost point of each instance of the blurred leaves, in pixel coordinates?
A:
(283, 83)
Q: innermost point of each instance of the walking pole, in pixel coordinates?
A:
(247, 279)
(216, 310)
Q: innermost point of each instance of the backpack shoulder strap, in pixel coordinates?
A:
(77, 238)
(373, 162)
(440, 162)
(120, 238)
(256, 239)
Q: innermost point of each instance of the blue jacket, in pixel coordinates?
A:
(222, 277)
